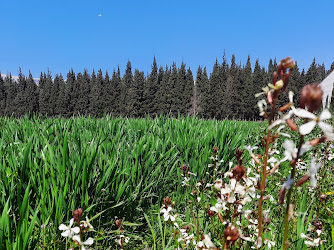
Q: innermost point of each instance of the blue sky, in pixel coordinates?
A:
(60, 35)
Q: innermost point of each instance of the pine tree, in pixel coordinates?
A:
(95, 97)
(70, 93)
(173, 100)
(188, 96)
(246, 78)
(258, 83)
(230, 97)
(139, 82)
(20, 101)
(128, 91)
(205, 96)
(160, 95)
(31, 96)
(215, 103)
(163, 94)
(150, 89)
(54, 96)
(311, 74)
(11, 91)
(61, 101)
(2, 96)
(84, 87)
(115, 93)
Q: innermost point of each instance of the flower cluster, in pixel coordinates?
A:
(76, 233)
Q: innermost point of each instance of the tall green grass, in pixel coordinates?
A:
(116, 166)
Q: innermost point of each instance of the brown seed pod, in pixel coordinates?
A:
(231, 234)
(311, 97)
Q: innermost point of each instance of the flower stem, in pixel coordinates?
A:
(264, 171)
(286, 217)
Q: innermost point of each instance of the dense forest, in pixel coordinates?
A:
(228, 92)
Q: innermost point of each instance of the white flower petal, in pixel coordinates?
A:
(89, 241)
(304, 113)
(307, 127)
(77, 238)
(71, 222)
(326, 128)
(325, 115)
(291, 96)
(66, 233)
(76, 230)
(63, 227)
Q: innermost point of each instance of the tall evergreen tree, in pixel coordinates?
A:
(61, 103)
(173, 96)
(84, 87)
(95, 97)
(2, 96)
(20, 101)
(150, 89)
(311, 74)
(11, 91)
(230, 103)
(71, 92)
(139, 82)
(163, 95)
(246, 79)
(188, 96)
(215, 103)
(128, 91)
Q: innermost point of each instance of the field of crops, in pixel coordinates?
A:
(111, 168)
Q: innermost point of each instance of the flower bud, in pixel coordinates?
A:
(77, 214)
(231, 234)
(311, 97)
(282, 195)
(238, 172)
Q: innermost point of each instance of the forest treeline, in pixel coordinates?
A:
(228, 92)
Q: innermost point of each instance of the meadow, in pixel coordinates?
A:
(112, 168)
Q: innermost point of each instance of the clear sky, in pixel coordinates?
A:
(60, 35)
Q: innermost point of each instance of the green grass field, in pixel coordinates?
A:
(116, 168)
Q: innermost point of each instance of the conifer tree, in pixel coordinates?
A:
(11, 91)
(163, 94)
(84, 87)
(173, 94)
(20, 100)
(95, 97)
(311, 74)
(70, 93)
(2, 96)
(160, 97)
(128, 91)
(258, 82)
(230, 103)
(189, 100)
(150, 89)
(215, 103)
(139, 82)
(246, 78)
(61, 100)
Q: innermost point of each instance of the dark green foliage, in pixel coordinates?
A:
(228, 93)
(150, 89)
(231, 103)
(246, 79)
(96, 103)
(2, 96)
(188, 93)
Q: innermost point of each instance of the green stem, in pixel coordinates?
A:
(264, 172)
(286, 217)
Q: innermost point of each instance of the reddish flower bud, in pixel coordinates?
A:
(316, 141)
(77, 214)
(302, 180)
(119, 224)
(291, 124)
(238, 172)
(311, 97)
(215, 149)
(231, 234)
